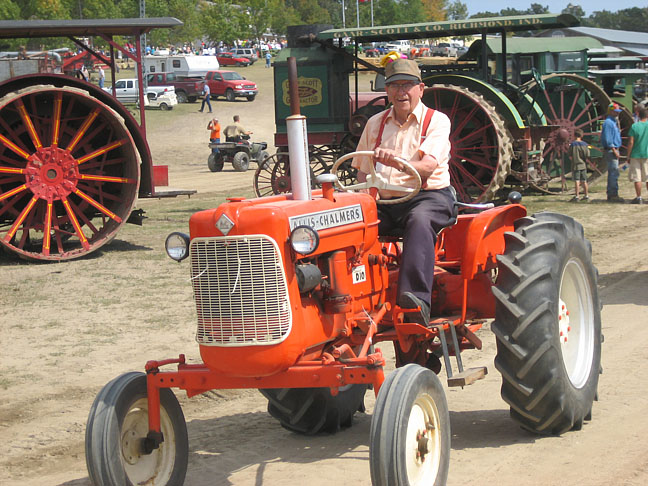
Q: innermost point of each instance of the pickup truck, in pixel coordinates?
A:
(126, 90)
(187, 88)
(231, 85)
(444, 49)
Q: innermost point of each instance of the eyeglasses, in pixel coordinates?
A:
(402, 86)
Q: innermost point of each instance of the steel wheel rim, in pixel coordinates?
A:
(144, 468)
(69, 173)
(576, 323)
(423, 442)
(480, 154)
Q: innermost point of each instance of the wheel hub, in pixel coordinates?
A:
(281, 184)
(424, 442)
(52, 173)
(563, 323)
(131, 446)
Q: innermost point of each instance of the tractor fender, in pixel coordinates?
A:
(485, 238)
(503, 105)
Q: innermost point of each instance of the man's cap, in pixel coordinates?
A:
(402, 70)
(614, 107)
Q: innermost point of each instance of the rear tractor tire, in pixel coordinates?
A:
(117, 426)
(548, 324)
(310, 411)
(409, 441)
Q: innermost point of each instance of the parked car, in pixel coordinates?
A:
(229, 59)
(187, 88)
(126, 90)
(246, 52)
(461, 51)
(231, 85)
(444, 49)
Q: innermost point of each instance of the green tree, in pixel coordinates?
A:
(536, 8)
(44, 10)
(457, 10)
(9, 10)
(435, 10)
(576, 10)
(223, 21)
(261, 13)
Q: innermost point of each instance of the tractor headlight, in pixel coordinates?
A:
(304, 240)
(177, 246)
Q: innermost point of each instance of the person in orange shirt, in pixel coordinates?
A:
(411, 131)
(214, 136)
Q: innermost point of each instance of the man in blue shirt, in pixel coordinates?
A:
(206, 96)
(611, 143)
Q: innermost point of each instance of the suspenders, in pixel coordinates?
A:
(426, 123)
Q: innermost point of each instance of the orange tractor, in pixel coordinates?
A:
(295, 291)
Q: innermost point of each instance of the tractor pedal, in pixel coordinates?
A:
(468, 377)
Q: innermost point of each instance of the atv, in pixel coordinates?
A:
(239, 152)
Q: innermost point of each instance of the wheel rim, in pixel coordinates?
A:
(154, 468)
(423, 442)
(481, 153)
(576, 323)
(570, 102)
(69, 173)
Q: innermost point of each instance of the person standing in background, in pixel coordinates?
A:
(611, 143)
(638, 150)
(579, 153)
(206, 95)
(102, 77)
(214, 136)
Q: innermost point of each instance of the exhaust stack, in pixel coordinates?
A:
(297, 140)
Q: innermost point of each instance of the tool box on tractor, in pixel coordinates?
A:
(294, 294)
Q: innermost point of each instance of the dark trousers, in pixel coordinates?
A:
(418, 221)
(205, 100)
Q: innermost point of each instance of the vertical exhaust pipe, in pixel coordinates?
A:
(297, 140)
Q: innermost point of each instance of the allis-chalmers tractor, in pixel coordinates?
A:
(294, 292)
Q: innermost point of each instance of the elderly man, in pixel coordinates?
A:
(411, 131)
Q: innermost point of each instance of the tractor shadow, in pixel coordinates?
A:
(478, 429)
(623, 288)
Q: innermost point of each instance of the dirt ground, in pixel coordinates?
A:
(67, 329)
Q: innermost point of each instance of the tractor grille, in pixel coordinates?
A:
(240, 291)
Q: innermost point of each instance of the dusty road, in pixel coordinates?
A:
(67, 329)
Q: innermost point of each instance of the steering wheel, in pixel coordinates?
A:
(375, 182)
(538, 78)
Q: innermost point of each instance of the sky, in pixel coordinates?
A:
(555, 6)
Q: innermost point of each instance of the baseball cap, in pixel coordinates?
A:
(402, 70)
(614, 107)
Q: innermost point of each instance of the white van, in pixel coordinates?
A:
(181, 65)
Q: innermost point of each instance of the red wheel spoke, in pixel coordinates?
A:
(28, 124)
(84, 128)
(586, 109)
(12, 192)
(101, 151)
(479, 163)
(123, 180)
(475, 147)
(47, 229)
(465, 119)
(546, 93)
(56, 118)
(578, 96)
(11, 170)
(469, 176)
(590, 122)
(473, 133)
(20, 219)
(96, 190)
(75, 223)
(13, 147)
(101, 208)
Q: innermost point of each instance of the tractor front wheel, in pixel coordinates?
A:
(409, 441)
(116, 432)
(313, 410)
(547, 324)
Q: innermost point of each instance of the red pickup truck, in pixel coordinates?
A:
(187, 88)
(231, 85)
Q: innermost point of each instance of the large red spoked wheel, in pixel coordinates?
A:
(69, 173)
(571, 102)
(481, 154)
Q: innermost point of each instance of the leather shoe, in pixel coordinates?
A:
(408, 300)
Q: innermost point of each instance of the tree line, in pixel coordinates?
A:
(229, 20)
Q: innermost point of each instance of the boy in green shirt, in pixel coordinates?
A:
(579, 153)
(638, 150)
